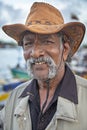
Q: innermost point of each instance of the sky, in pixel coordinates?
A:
(16, 11)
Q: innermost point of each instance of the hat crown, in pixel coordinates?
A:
(44, 14)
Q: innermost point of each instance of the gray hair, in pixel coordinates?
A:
(64, 38)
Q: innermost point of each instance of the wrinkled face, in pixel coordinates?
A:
(43, 54)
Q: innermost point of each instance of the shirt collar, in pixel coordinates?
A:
(66, 89)
(31, 90)
(68, 86)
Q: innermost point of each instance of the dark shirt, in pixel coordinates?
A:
(66, 88)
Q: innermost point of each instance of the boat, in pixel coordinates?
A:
(20, 73)
(11, 86)
(7, 88)
(4, 96)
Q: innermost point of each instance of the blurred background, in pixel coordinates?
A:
(12, 64)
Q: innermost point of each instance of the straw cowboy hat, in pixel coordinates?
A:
(46, 19)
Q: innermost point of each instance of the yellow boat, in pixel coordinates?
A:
(4, 96)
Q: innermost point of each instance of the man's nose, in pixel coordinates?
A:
(37, 51)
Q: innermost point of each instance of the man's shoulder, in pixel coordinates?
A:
(82, 82)
(19, 89)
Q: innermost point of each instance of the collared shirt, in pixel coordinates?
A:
(67, 89)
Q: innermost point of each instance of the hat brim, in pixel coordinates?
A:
(74, 30)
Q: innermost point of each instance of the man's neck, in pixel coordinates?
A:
(52, 84)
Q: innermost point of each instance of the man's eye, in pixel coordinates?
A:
(28, 44)
(49, 42)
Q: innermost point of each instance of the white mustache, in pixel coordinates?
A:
(47, 60)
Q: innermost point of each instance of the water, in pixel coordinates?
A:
(9, 58)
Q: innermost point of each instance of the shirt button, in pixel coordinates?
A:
(25, 118)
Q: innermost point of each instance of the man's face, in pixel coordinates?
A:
(43, 54)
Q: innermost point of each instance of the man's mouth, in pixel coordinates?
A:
(42, 67)
(39, 63)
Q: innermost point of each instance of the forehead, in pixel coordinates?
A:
(30, 35)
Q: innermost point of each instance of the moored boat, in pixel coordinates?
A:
(11, 86)
(20, 73)
(4, 96)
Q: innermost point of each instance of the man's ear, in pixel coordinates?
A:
(66, 50)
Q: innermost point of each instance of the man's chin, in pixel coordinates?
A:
(40, 77)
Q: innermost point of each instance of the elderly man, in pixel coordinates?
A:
(55, 98)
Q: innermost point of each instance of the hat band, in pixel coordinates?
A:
(42, 22)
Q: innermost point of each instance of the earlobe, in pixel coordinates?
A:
(66, 51)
